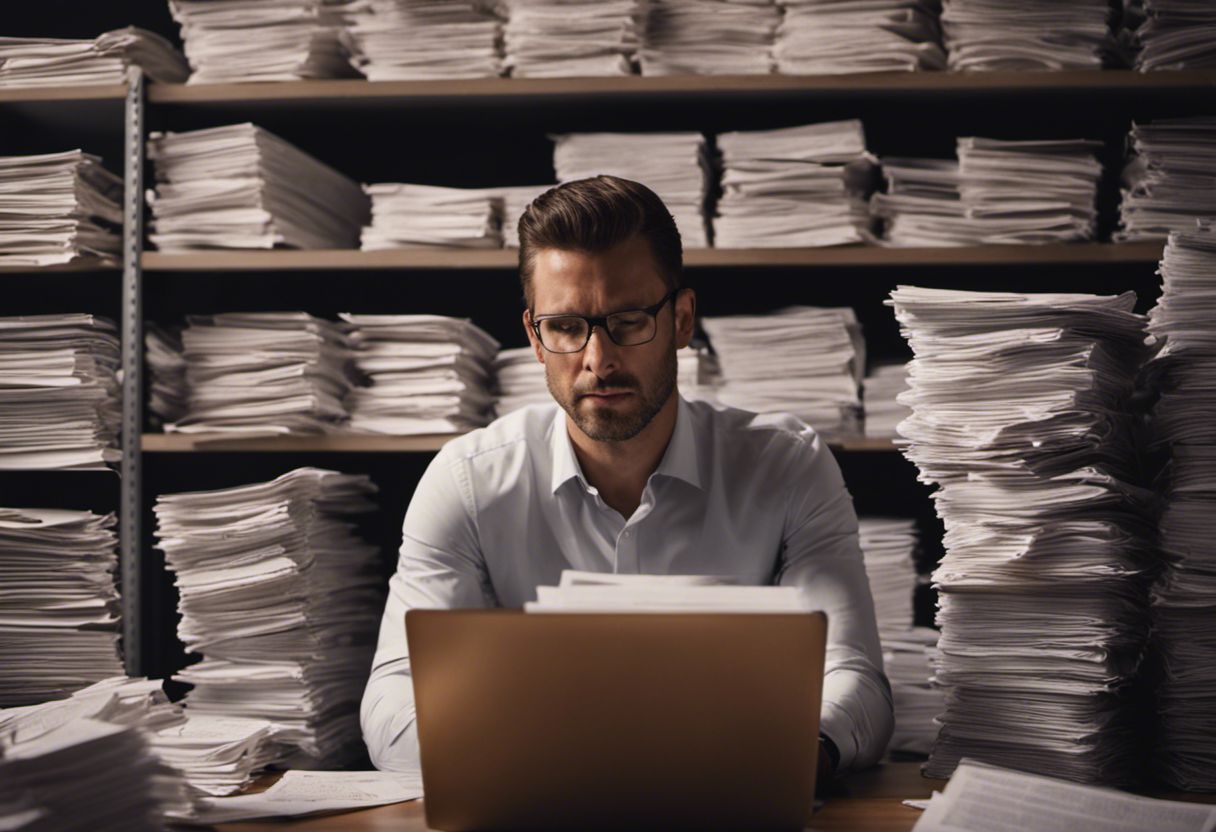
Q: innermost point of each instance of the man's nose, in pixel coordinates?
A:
(600, 356)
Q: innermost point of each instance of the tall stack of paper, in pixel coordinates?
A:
(709, 37)
(674, 165)
(1020, 417)
(405, 216)
(168, 390)
(572, 38)
(281, 599)
(1030, 35)
(239, 186)
(58, 602)
(48, 62)
(60, 400)
(428, 374)
(1184, 599)
(264, 372)
(1176, 35)
(829, 37)
(1170, 178)
(262, 40)
(794, 187)
(880, 392)
(593, 592)
(56, 208)
(416, 40)
(520, 380)
(801, 360)
(515, 200)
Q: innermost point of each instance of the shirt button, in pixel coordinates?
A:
(628, 532)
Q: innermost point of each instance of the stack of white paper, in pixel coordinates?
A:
(48, 62)
(239, 186)
(405, 216)
(592, 592)
(572, 38)
(515, 200)
(793, 187)
(673, 165)
(1030, 35)
(56, 208)
(58, 602)
(1184, 599)
(1170, 178)
(908, 659)
(829, 37)
(264, 372)
(281, 599)
(921, 205)
(262, 40)
(697, 373)
(520, 380)
(801, 360)
(889, 545)
(428, 374)
(168, 391)
(60, 400)
(709, 37)
(1176, 35)
(880, 392)
(1020, 417)
(418, 40)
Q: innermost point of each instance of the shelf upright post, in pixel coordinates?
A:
(130, 533)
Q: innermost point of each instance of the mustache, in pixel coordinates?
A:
(615, 382)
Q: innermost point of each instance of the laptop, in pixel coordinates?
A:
(617, 720)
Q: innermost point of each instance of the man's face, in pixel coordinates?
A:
(610, 392)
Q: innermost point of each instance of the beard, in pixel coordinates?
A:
(606, 424)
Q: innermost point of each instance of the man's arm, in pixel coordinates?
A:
(440, 566)
(821, 555)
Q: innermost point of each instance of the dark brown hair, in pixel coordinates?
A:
(595, 215)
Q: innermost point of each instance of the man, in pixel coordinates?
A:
(624, 475)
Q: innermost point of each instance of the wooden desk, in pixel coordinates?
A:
(867, 801)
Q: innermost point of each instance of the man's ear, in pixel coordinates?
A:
(686, 316)
(537, 348)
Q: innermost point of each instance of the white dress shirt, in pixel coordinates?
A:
(506, 508)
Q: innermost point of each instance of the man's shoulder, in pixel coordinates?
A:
(513, 432)
(753, 433)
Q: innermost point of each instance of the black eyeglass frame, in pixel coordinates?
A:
(602, 323)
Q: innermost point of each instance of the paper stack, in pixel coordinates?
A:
(592, 592)
(428, 374)
(405, 216)
(709, 37)
(262, 40)
(59, 609)
(264, 372)
(1031, 35)
(1170, 178)
(1176, 35)
(515, 200)
(50, 62)
(239, 186)
(880, 391)
(921, 205)
(60, 400)
(408, 40)
(520, 380)
(572, 38)
(168, 390)
(794, 187)
(58, 207)
(673, 165)
(801, 360)
(281, 599)
(830, 37)
(1184, 599)
(1020, 417)
(697, 373)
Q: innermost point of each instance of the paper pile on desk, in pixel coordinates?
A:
(262, 40)
(281, 599)
(406, 40)
(828, 37)
(802, 360)
(709, 37)
(58, 207)
(880, 392)
(53, 62)
(673, 165)
(405, 216)
(300, 793)
(60, 400)
(1020, 416)
(572, 38)
(1174, 35)
(1030, 35)
(593, 592)
(427, 373)
(239, 186)
(1169, 180)
(1184, 423)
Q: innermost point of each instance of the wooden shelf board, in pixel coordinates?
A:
(289, 260)
(84, 92)
(899, 82)
(82, 265)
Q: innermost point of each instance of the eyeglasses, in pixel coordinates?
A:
(628, 328)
